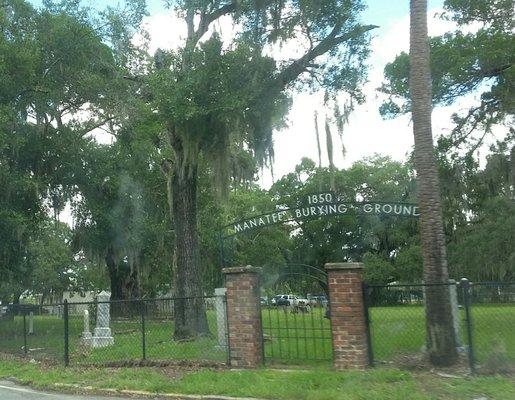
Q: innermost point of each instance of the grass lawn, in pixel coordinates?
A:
(295, 338)
(303, 339)
(398, 330)
(314, 384)
(48, 341)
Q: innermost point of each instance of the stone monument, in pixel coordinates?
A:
(455, 311)
(31, 323)
(221, 317)
(102, 336)
(86, 336)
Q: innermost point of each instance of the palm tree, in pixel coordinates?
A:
(441, 340)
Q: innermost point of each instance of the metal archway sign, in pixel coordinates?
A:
(315, 206)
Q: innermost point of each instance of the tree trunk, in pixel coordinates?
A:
(124, 286)
(441, 340)
(189, 308)
(114, 276)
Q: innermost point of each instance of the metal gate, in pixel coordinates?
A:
(294, 312)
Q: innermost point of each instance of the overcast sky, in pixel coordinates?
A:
(366, 133)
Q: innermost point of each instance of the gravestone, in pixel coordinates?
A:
(31, 323)
(86, 336)
(221, 317)
(455, 311)
(102, 336)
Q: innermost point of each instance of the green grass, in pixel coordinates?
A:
(295, 338)
(303, 339)
(315, 384)
(48, 341)
(397, 330)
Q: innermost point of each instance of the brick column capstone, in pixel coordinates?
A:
(244, 316)
(347, 312)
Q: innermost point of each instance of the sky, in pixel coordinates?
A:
(366, 133)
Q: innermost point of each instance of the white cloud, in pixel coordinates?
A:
(366, 133)
(168, 31)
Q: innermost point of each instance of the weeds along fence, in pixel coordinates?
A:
(142, 331)
(114, 332)
(483, 316)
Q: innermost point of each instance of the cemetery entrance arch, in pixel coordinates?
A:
(294, 299)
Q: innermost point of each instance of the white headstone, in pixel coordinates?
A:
(31, 323)
(86, 334)
(221, 316)
(102, 336)
(455, 310)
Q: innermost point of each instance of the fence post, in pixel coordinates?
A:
(366, 304)
(227, 332)
(244, 316)
(66, 334)
(349, 337)
(465, 286)
(221, 317)
(455, 311)
(25, 350)
(143, 331)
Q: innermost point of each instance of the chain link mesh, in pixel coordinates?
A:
(135, 331)
(397, 324)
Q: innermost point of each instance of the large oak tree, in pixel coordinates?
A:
(214, 94)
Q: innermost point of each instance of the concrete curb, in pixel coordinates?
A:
(171, 396)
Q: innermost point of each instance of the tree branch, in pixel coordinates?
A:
(96, 125)
(493, 71)
(208, 19)
(291, 72)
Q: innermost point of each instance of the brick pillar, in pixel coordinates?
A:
(347, 315)
(244, 316)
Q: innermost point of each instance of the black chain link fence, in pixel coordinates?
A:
(113, 332)
(483, 315)
(492, 321)
(142, 331)
(32, 331)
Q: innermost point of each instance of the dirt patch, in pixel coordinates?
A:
(420, 362)
(185, 364)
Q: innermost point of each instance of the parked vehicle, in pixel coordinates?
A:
(290, 300)
(283, 299)
(318, 300)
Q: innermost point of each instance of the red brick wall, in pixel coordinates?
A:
(244, 317)
(347, 315)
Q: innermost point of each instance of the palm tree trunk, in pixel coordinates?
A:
(441, 340)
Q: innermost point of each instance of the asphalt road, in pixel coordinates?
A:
(11, 391)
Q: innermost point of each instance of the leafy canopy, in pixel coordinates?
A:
(469, 60)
